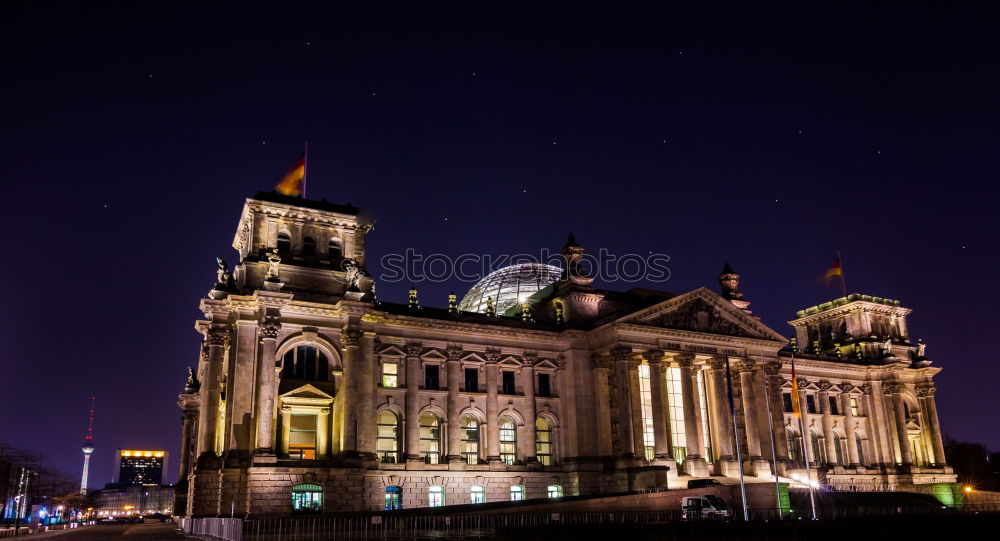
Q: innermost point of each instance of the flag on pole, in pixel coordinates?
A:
(835, 270)
(293, 183)
(796, 411)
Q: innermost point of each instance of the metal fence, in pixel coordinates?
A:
(390, 526)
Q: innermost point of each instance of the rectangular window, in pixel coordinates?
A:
(478, 494)
(646, 402)
(833, 406)
(811, 403)
(508, 382)
(516, 493)
(786, 402)
(703, 399)
(390, 374)
(555, 491)
(855, 410)
(432, 377)
(472, 380)
(544, 385)
(302, 437)
(675, 406)
(435, 496)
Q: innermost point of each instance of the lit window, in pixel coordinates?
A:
(470, 440)
(705, 428)
(675, 404)
(435, 496)
(792, 440)
(387, 444)
(543, 441)
(302, 437)
(307, 498)
(516, 493)
(555, 491)
(508, 441)
(646, 403)
(390, 374)
(430, 438)
(855, 410)
(478, 494)
(393, 498)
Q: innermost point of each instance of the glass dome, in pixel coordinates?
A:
(508, 285)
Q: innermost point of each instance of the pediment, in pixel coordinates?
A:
(434, 355)
(473, 358)
(392, 351)
(546, 363)
(703, 311)
(307, 392)
(511, 361)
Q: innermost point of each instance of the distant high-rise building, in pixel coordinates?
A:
(88, 446)
(140, 468)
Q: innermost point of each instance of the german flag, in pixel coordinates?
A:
(294, 181)
(835, 270)
(795, 392)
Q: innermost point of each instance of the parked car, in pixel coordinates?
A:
(708, 506)
(702, 483)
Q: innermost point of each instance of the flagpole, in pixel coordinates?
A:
(805, 448)
(843, 283)
(305, 174)
(770, 425)
(736, 435)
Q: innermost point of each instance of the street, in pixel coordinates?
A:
(100, 532)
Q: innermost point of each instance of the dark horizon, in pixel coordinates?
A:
(767, 139)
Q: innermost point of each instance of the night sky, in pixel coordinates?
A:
(131, 136)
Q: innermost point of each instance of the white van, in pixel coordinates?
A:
(707, 506)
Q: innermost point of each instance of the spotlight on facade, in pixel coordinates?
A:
(967, 489)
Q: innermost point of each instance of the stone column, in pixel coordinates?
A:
(774, 381)
(604, 428)
(187, 432)
(622, 355)
(267, 391)
(529, 452)
(412, 422)
(720, 415)
(366, 395)
(635, 395)
(322, 433)
(213, 353)
(926, 394)
(453, 366)
(286, 428)
(661, 447)
(893, 390)
(845, 406)
(350, 340)
(691, 427)
(750, 421)
(824, 407)
(880, 422)
(492, 411)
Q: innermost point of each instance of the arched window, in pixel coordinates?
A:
(838, 449)
(307, 498)
(516, 493)
(543, 441)
(284, 243)
(508, 441)
(817, 458)
(435, 496)
(470, 440)
(393, 498)
(861, 448)
(430, 438)
(794, 445)
(555, 491)
(308, 246)
(335, 251)
(478, 494)
(387, 444)
(305, 363)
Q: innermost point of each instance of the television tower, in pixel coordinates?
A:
(88, 446)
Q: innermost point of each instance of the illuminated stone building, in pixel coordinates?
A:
(310, 395)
